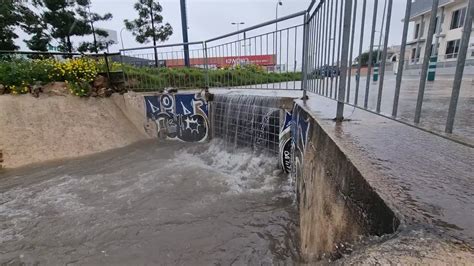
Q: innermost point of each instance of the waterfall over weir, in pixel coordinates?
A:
(247, 121)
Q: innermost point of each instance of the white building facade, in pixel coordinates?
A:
(447, 39)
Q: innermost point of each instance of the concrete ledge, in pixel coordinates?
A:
(425, 180)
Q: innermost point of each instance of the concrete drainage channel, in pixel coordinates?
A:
(211, 186)
(336, 205)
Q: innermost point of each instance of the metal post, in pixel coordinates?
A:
(384, 55)
(466, 35)
(371, 49)
(184, 26)
(401, 63)
(344, 59)
(359, 64)
(377, 61)
(107, 66)
(354, 15)
(206, 65)
(426, 61)
(305, 56)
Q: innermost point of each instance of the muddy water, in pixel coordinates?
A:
(150, 203)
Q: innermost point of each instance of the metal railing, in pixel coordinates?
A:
(262, 56)
(339, 30)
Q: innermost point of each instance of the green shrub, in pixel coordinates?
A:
(80, 89)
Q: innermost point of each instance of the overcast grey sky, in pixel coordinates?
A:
(210, 18)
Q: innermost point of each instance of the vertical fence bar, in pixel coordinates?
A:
(377, 62)
(304, 58)
(330, 10)
(326, 44)
(206, 64)
(320, 51)
(466, 35)
(316, 50)
(344, 58)
(371, 49)
(294, 57)
(339, 47)
(333, 45)
(383, 61)
(401, 62)
(361, 43)
(353, 25)
(311, 58)
(426, 61)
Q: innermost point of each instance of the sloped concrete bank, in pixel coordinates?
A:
(35, 130)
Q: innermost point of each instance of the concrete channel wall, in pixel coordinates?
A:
(336, 204)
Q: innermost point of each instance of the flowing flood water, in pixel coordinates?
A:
(150, 203)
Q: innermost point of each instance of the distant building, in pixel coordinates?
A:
(449, 24)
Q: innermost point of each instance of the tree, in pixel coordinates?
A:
(34, 25)
(149, 24)
(63, 23)
(365, 57)
(9, 20)
(91, 18)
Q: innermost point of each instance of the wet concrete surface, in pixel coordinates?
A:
(425, 179)
(150, 204)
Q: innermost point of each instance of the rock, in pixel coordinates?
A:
(56, 88)
(100, 82)
(36, 90)
(104, 92)
(2, 89)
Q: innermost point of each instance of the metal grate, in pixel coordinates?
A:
(247, 121)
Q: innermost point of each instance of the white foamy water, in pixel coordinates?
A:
(241, 170)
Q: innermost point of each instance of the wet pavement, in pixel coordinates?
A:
(425, 179)
(150, 203)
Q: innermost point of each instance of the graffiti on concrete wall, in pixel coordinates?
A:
(178, 116)
(300, 135)
(285, 142)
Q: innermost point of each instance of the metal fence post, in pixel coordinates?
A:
(206, 65)
(426, 61)
(371, 49)
(383, 61)
(305, 56)
(344, 60)
(466, 35)
(406, 22)
(107, 65)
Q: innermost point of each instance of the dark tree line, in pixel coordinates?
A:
(61, 20)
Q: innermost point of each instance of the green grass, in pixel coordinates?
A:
(148, 79)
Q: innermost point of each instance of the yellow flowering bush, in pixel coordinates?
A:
(18, 74)
(75, 70)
